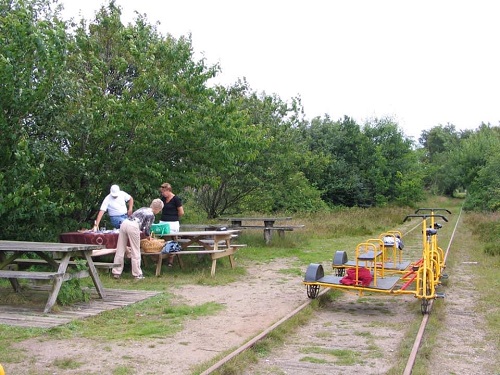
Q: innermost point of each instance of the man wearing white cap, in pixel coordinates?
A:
(116, 205)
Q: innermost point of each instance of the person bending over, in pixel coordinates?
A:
(130, 232)
(115, 204)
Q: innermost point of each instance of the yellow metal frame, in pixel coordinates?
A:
(423, 274)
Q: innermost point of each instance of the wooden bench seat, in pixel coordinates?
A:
(187, 252)
(268, 230)
(14, 274)
(100, 252)
(221, 246)
(281, 227)
(43, 262)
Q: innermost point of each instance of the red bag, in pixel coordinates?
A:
(364, 277)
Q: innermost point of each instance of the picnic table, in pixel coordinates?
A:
(216, 243)
(58, 256)
(267, 224)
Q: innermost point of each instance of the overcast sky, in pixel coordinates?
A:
(422, 63)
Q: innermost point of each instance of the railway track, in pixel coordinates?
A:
(291, 366)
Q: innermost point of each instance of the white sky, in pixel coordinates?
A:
(423, 63)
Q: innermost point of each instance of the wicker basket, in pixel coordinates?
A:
(152, 246)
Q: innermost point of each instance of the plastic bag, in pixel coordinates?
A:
(171, 247)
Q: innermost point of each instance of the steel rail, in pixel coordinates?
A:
(425, 318)
(259, 337)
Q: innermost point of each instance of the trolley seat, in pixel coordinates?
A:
(431, 231)
(340, 262)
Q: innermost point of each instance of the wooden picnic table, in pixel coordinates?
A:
(57, 255)
(267, 224)
(216, 243)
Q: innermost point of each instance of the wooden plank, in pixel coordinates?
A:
(43, 262)
(220, 246)
(98, 253)
(11, 274)
(22, 316)
(285, 227)
(27, 246)
(183, 252)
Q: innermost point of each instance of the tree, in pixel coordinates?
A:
(397, 175)
(267, 151)
(34, 86)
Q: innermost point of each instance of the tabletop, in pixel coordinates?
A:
(107, 239)
(201, 233)
(26, 246)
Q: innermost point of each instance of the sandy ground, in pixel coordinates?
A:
(371, 327)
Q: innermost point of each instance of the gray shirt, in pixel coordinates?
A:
(145, 217)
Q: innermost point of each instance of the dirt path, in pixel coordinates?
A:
(265, 296)
(351, 334)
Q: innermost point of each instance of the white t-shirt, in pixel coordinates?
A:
(116, 206)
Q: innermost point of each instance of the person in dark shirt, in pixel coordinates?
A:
(172, 211)
(130, 231)
(172, 208)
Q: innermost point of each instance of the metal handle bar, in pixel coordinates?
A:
(433, 209)
(426, 217)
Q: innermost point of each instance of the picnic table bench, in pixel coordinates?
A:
(31, 262)
(268, 225)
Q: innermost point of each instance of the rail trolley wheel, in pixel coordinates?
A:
(339, 271)
(425, 306)
(312, 291)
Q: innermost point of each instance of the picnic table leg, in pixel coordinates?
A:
(57, 282)
(179, 260)
(94, 275)
(15, 285)
(214, 264)
(231, 260)
(158, 265)
(267, 235)
(232, 250)
(6, 262)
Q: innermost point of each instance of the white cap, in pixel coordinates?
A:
(115, 189)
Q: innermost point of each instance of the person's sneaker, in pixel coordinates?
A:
(140, 277)
(115, 276)
(170, 265)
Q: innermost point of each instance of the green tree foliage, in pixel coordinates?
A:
(479, 161)
(437, 143)
(465, 160)
(262, 164)
(137, 111)
(34, 91)
(368, 166)
(397, 174)
(88, 104)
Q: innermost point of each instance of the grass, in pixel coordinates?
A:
(317, 242)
